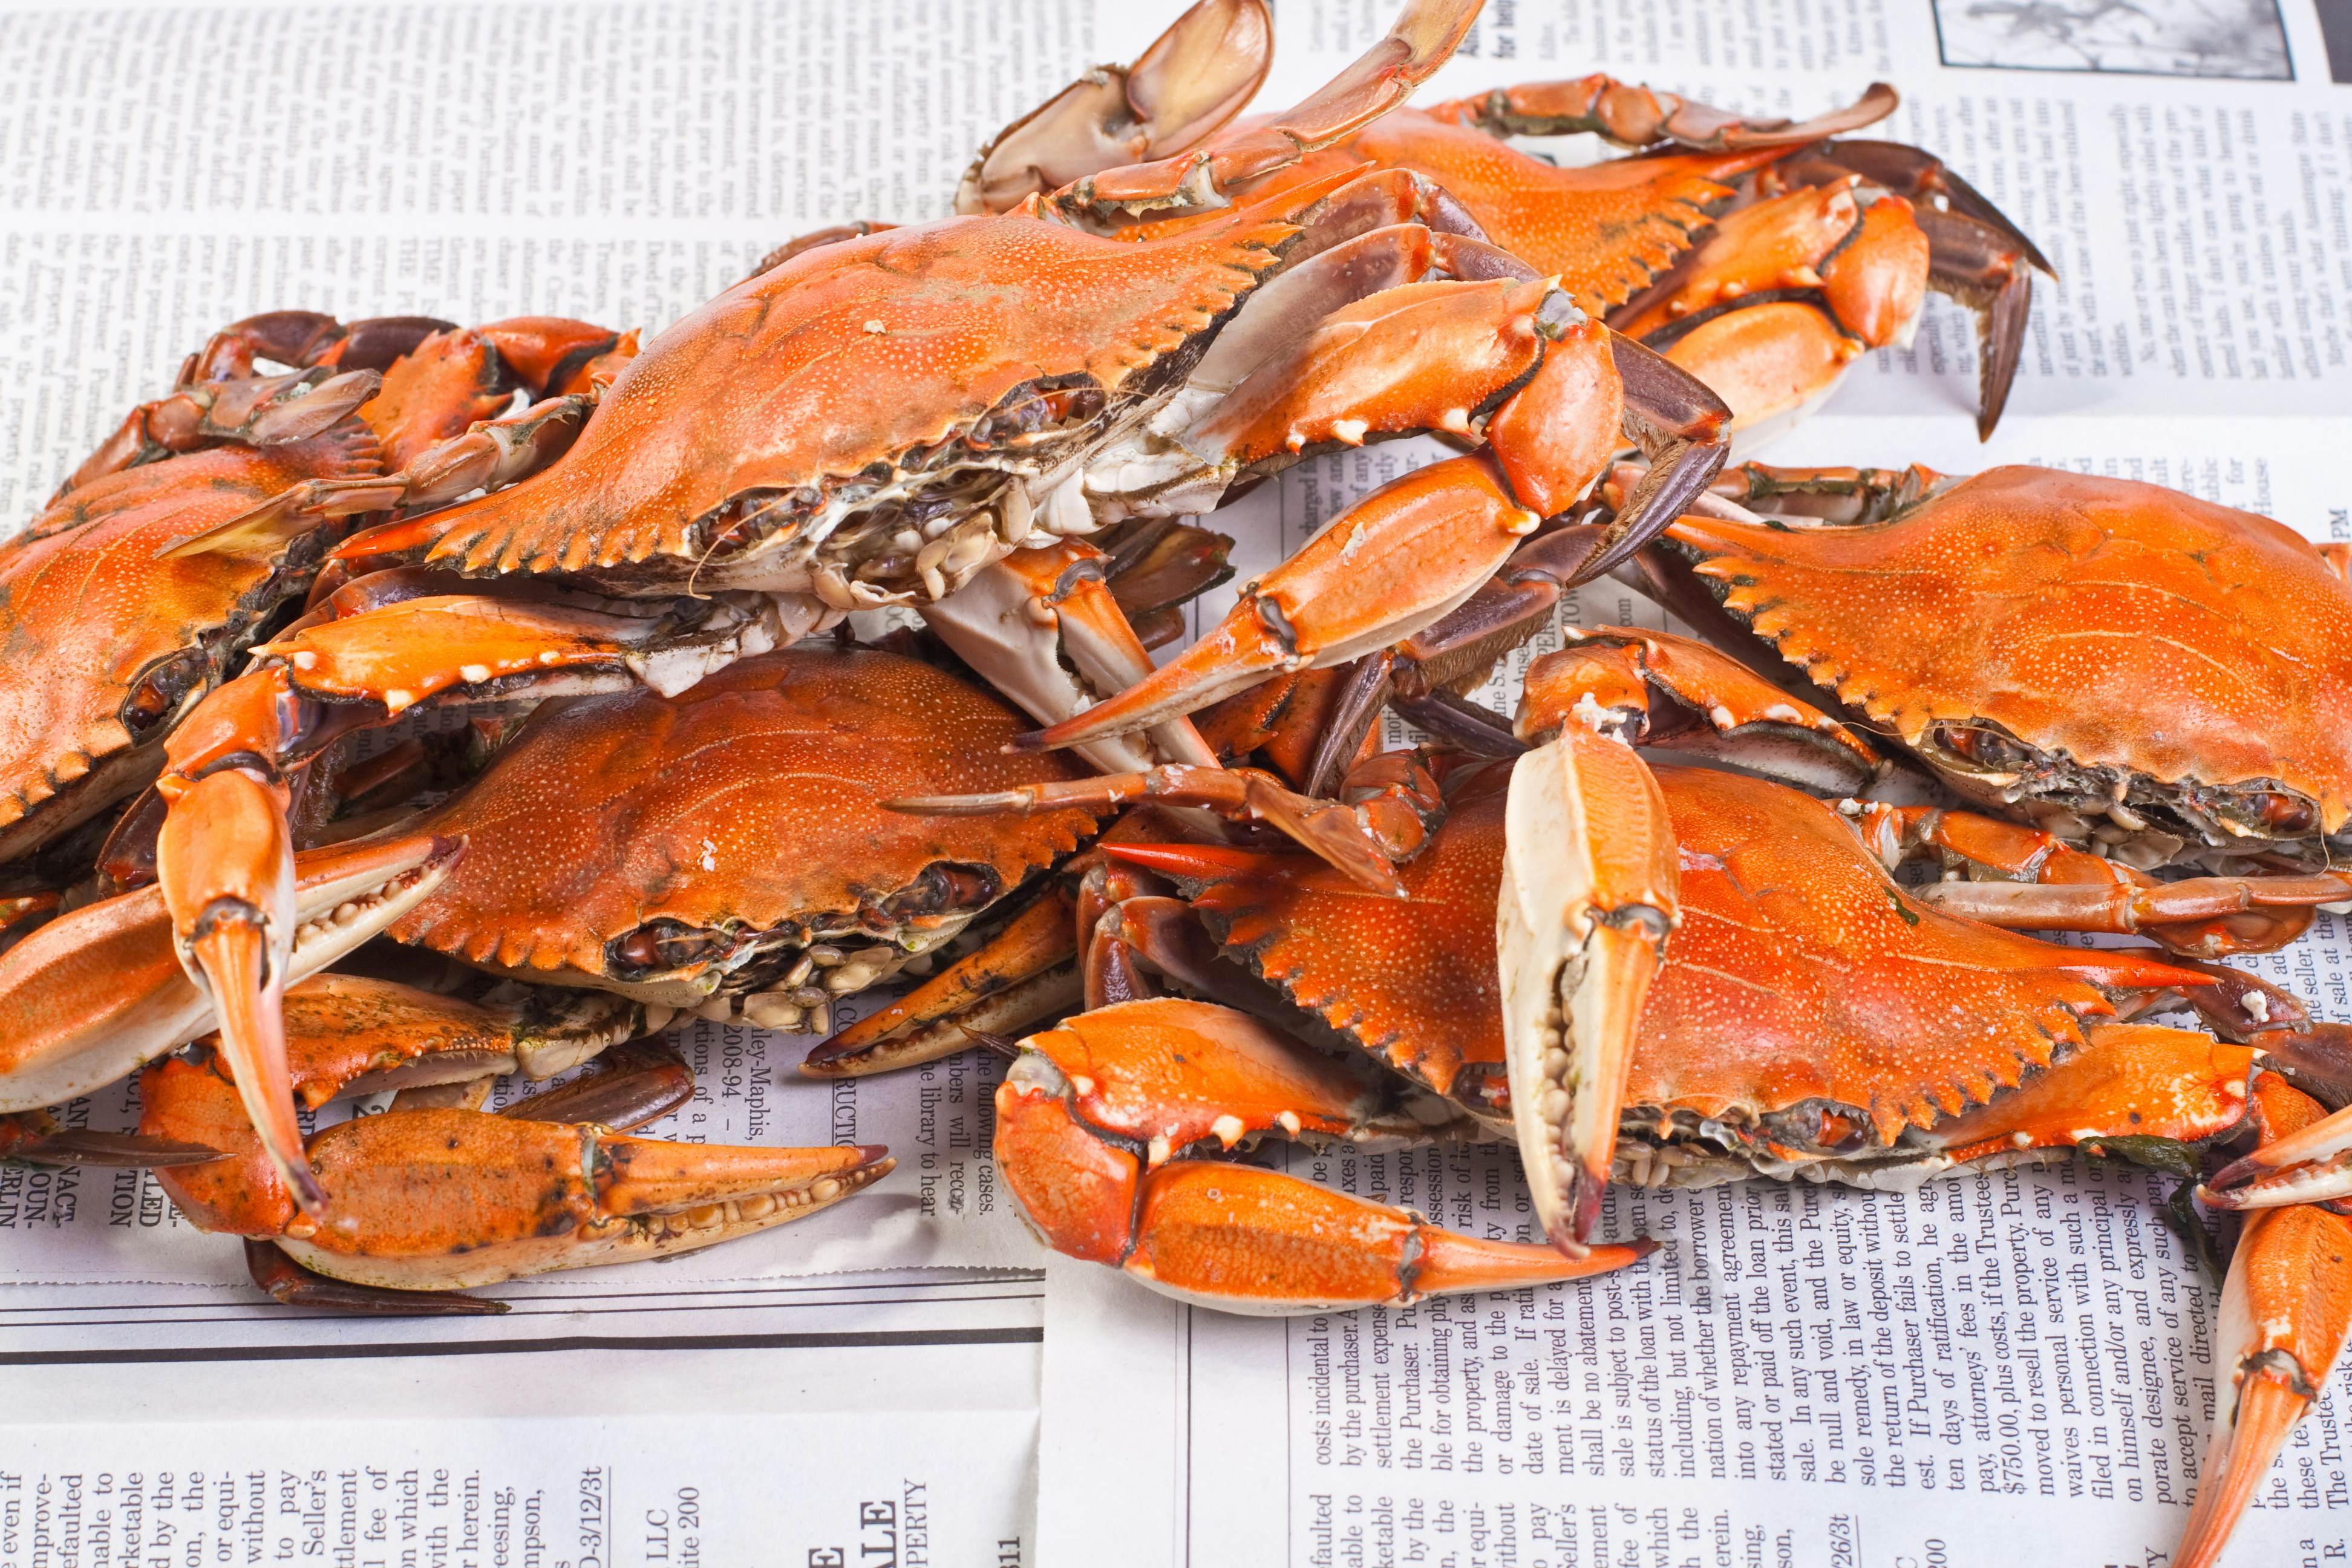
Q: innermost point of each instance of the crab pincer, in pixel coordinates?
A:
(1589, 899)
(2286, 1310)
(1102, 1127)
(100, 990)
(434, 1196)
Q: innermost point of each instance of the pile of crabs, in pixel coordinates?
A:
(681, 761)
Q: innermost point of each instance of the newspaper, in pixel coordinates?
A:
(1994, 1367)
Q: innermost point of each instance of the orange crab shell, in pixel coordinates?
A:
(95, 561)
(1800, 974)
(866, 351)
(1608, 229)
(748, 803)
(1410, 980)
(2124, 625)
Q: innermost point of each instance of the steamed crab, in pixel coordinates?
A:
(886, 419)
(628, 856)
(1706, 975)
(2119, 663)
(173, 547)
(1763, 256)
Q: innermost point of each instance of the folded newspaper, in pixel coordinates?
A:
(2012, 1366)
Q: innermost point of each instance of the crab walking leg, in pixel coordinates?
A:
(1632, 115)
(35, 1138)
(2130, 1081)
(1361, 840)
(1023, 975)
(2051, 886)
(100, 990)
(1093, 1117)
(1424, 38)
(1588, 900)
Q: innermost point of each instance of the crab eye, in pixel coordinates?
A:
(2284, 814)
(661, 946)
(1983, 747)
(161, 687)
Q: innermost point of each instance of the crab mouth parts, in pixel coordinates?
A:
(921, 521)
(785, 979)
(2117, 807)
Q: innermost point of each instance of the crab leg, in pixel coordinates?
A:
(2058, 887)
(442, 1199)
(1785, 295)
(262, 411)
(1030, 622)
(1614, 678)
(1402, 558)
(1023, 975)
(1361, 841)
(34, 1138)
(1635, 116)
(1424, 38)
(1976, 255)
(2307, 1165)
(1093, 1116)
(2286, 1309)
(2130, 1082)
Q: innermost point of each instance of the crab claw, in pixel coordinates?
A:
(1588, 896)
(450, 1199)
(1194, 78)
(99, 990)
(1391, 565)
(2285, 1309)
(444, 1198)
(2310, 1165)
(226, 861)
(1098, 1124)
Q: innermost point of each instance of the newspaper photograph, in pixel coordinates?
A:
(2007, 1363)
